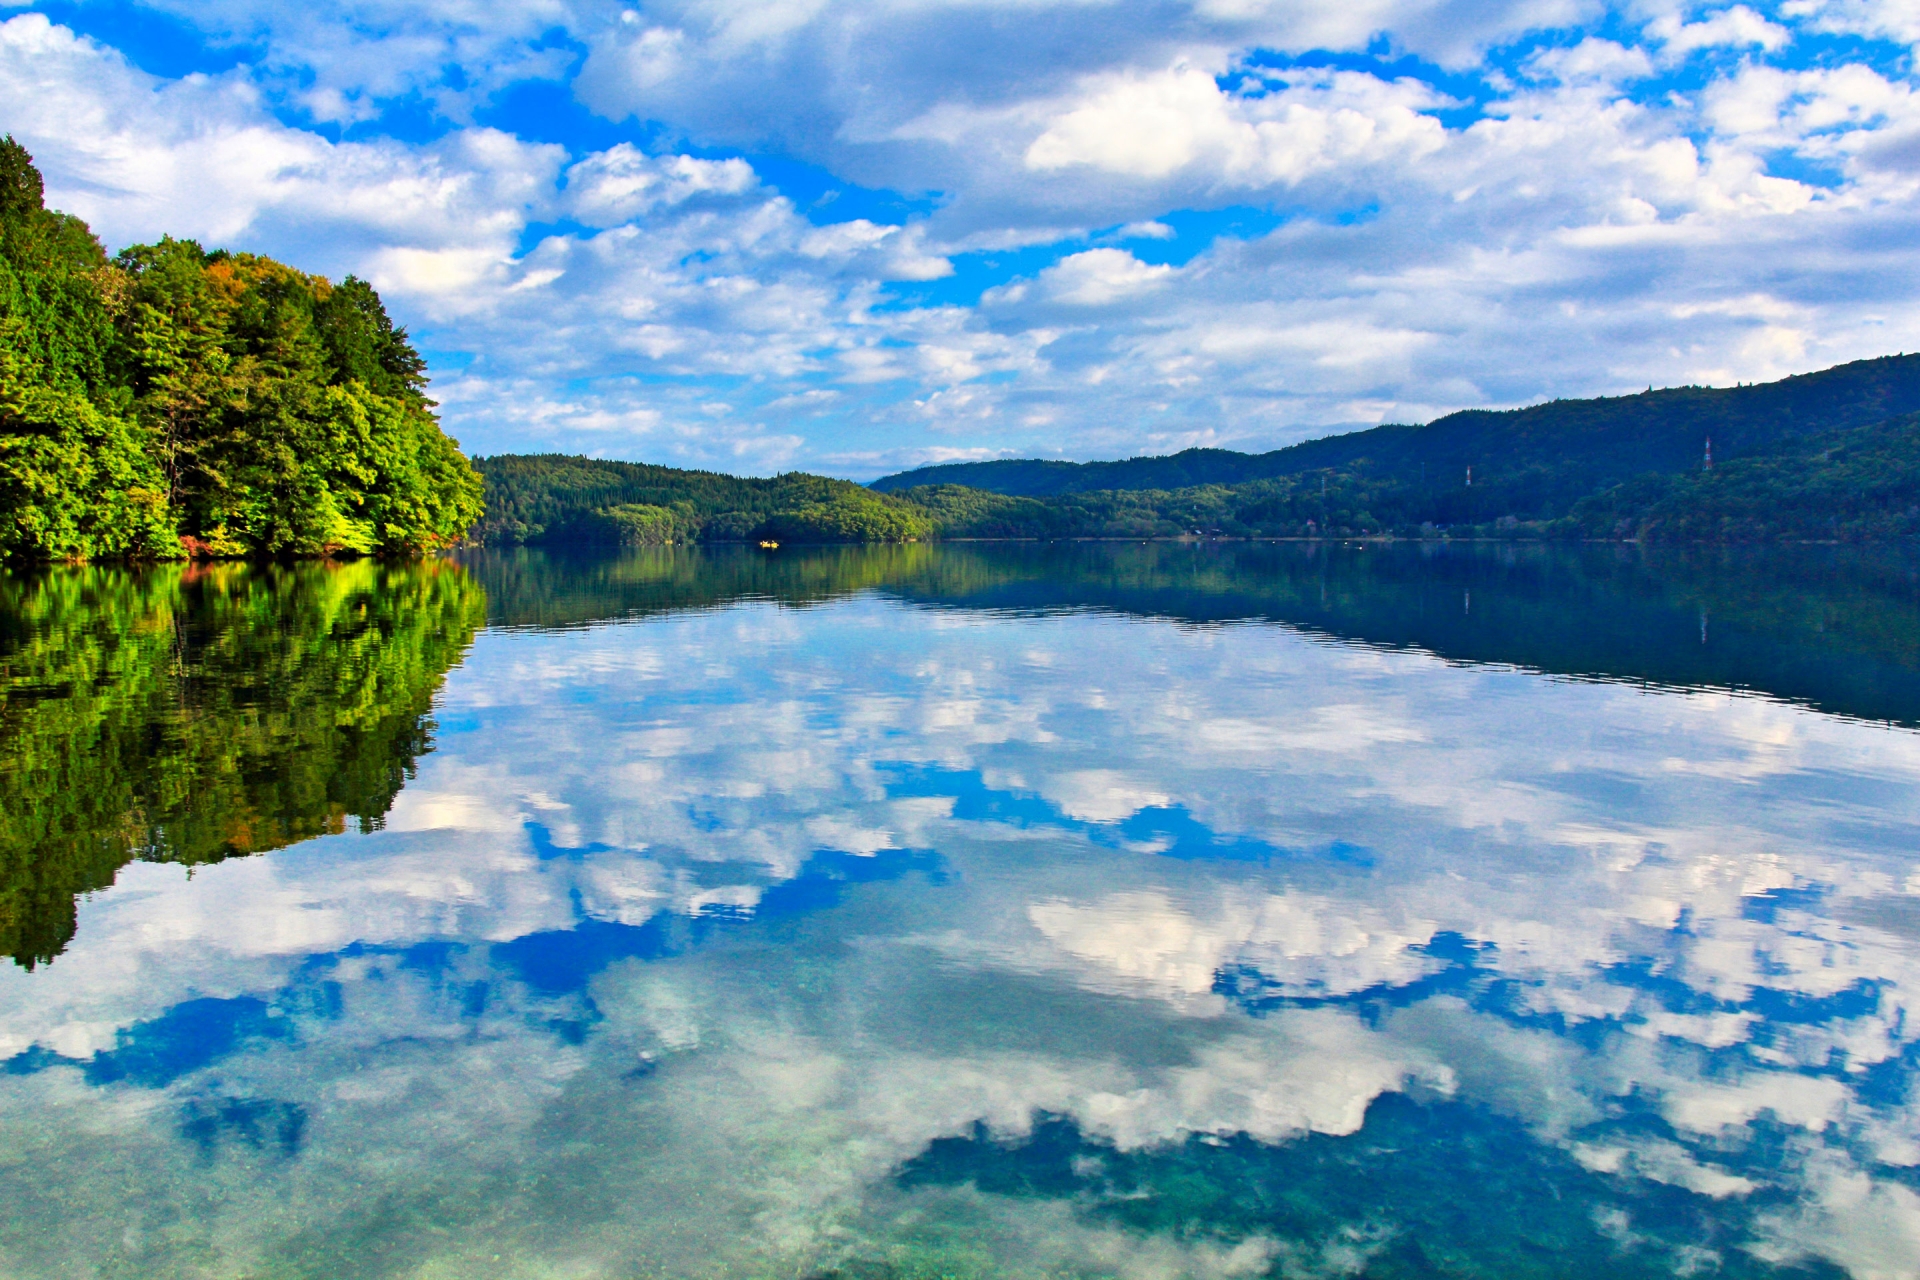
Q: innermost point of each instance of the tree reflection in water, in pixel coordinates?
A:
(192, 713)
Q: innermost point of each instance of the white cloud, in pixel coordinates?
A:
(1100, 795)
(617, 185)
(1152, 126)
(1099, 276)
(1888, 19)
(1735, 28)
(345, 60)
(135, 155)
(1593, 61)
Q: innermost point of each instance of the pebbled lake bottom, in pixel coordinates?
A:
(966, 911)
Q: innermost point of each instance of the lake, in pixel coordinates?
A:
(1138, 910)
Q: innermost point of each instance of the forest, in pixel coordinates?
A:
(172, 401)
(1827, 456)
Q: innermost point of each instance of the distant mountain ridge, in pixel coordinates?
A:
(1565, 449)
(1825, 457)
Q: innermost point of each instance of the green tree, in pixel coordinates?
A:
(289, 415)
(75, 481)
(178, 401)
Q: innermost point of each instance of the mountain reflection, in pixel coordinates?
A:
(188, 714)
(1837, 629)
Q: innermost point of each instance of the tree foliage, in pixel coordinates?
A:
(1861, 485)
(173, 401)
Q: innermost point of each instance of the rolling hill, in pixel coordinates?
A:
(1540, 460)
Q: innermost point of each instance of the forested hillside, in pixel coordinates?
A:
(1541, 459)
(171, 401)
(553, 498)
(1833, 455)
(1859, 485)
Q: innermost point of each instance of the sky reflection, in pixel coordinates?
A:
(900, 939)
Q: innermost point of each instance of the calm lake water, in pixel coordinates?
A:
(1141, 911)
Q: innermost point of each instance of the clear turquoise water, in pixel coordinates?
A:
(1139, 911)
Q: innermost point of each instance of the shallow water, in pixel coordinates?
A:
(1093, 910)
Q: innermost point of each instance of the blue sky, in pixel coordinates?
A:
(853, 237)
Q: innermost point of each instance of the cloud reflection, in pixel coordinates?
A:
(722, 926)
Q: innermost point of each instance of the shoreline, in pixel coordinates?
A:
(203, 562)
